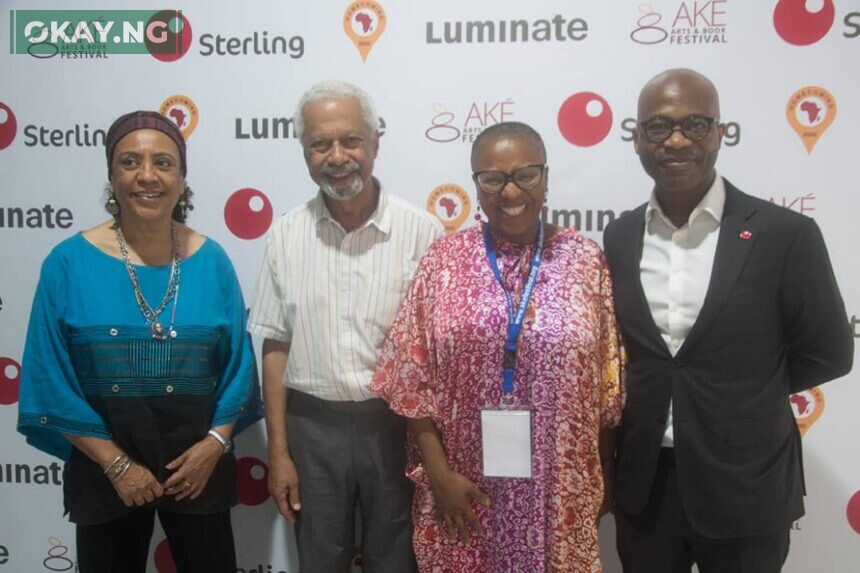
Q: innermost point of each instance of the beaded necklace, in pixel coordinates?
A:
(150, 314)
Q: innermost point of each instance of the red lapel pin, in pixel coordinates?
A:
(745, 235)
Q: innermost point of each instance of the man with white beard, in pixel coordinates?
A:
(334, 273)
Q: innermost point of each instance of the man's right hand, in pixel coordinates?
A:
(284, 485)
(453, 492)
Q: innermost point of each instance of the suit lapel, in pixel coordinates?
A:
(631, 259)
(738, 236)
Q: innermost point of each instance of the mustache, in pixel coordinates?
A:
(343, 169)
(681, 156)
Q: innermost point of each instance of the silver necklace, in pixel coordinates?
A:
(151, 314)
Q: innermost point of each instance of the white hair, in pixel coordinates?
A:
(334, 91)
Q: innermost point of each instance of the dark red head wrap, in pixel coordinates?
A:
(143, 120)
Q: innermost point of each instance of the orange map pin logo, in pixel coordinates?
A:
(807, 407)
(182, 111)
(364, 22)
(810, 111)
(450, 204)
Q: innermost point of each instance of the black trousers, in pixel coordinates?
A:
(350, 454)
(661, 539)
(198, 543)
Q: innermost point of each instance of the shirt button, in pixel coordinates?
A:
(114, 331)
(43, 420)
(114, 388)
(169, 389)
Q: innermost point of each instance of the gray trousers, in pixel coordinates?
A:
(350, 454)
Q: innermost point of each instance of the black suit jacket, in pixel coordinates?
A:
(772, 323)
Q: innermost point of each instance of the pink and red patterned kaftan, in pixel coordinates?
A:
(443, 359)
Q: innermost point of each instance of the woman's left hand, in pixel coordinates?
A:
(193, 469)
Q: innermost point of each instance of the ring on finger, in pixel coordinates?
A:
(187, 484)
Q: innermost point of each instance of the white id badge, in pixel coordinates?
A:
(506, 437)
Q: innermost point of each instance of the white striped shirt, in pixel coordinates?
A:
(333, 295)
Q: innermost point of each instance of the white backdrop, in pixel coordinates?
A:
(423, 74)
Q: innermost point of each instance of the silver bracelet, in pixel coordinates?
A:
(225, 443)
(119, 470)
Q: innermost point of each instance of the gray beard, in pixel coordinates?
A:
(343, 194)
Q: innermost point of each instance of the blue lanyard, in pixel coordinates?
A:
(515, 320)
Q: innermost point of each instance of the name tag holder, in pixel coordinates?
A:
(506, 431)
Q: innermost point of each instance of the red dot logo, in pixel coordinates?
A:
(248, 213)
(585, 119)
(10, 379)
(8, 126)
(174, 41)
(252, 481)
(797, 25)
(853, 512)
(164, 558)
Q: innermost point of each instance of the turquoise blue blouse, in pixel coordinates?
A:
(88, 342)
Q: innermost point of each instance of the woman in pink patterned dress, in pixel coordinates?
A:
(442, 364)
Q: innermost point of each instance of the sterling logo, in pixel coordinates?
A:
(8, 126)
(248, 213)
(693, 23)
(251, 481)
(556, 29)
(800, 27)
(162, 558)
(256, 44)
(478, 118)
(852, 512)
(10, 379)
(182, 111)
(585, 119)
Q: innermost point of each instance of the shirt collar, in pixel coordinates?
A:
(380, 218)
(712, 204)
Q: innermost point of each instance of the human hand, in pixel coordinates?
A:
(137, 486)
(452, 492)
(193, 469)
(284, 485)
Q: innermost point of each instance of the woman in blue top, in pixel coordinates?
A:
(137, 368)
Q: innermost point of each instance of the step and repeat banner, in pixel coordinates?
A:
(440, 72)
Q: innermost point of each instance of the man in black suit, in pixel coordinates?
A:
(727, 304)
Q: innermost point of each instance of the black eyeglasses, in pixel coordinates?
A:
(526, 178)
(659, 128)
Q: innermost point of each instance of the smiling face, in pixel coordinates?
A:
(512, 213)
(146, 177)
(339, 148)
(679, 166)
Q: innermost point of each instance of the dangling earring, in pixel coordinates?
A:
(545, 209)
(478, 211)
(112, 206)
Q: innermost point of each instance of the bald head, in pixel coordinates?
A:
(671, 85)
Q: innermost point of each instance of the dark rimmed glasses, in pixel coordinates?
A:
(659, 128)
(526, 178)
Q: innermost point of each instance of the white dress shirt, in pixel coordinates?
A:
(333, 295)
(675, 269)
